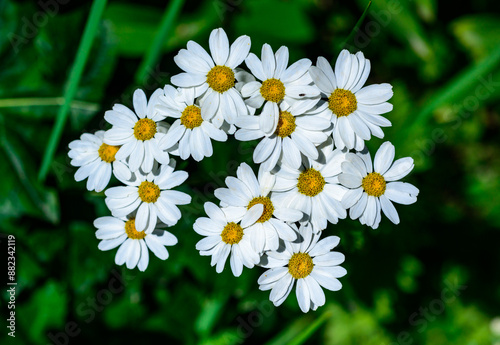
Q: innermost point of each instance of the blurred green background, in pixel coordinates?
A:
(434, 279)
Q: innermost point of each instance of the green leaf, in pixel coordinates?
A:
(43, 200)
(479, 34)
(72, 83)
(210, 312)
(457, 88)
(301, 330)
(8, 37)
(47, 310)
(136, 26)
(279, 21)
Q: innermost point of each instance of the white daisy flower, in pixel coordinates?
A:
(151, 196)
(190, 133)
(373, 188)
(301, 127)
(249, 197)
(95, 159)
(310, 263)
(138, 132)
(134, 245)
(213, 77)
(277, 83)
(313, 188)
(225, 236)
(356, 109)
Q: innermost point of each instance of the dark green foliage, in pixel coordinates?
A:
(433, 279)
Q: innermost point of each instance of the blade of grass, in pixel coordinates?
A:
(42, 199)
(72, 83)
(45, 102)
(300, 331)
(153, 54)
(309, 331)
(210, 312)
(356, 27)
(457, 87)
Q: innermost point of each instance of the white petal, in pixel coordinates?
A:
(343, 68)
(176, 197)
(321, 80)
(384, 158)
(389, 209)
(188, 79)
(374, 94)
(219, 46)
(156, 247)
(358, 208)
(316, 293)
(255, 65)
(401, 192)
(134, 254)
(140, 103)
(144, 259)
(399, 169)
(210, 105)
(268, 61)
(239, 51)
(325, 245)
(303, 295)
(302, 91)
(272, 275)
(281, 61)
(296, 70)
(252, 215)
(325, 280)
(351, 197)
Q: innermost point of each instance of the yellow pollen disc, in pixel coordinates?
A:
(268, 207)
(220, 78)
(132, 232)
(108, 152)
(272, 90)
(191, 117)
(374, 184)
(342, 102)
(144, 129)
(310, 182)
(286, 124)
(149, 192)
(300, 265)
(232, 233)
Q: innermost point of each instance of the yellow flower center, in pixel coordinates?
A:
(144, 129)
(374, 184)
(342, 102)
(220, 78)
(191, 117)
(132, 232)
(272, 90)
(149, 192)
(300, 265)
(268, 207)
(286, 124)
(107, 152)
(232, 233)
(310, 183)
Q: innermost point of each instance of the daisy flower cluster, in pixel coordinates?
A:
(311, 123)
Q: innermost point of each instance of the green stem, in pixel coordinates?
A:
(457, 86)
(356, 27)
(48, 101)
(74, 77)
(154, 51)
(311, 329)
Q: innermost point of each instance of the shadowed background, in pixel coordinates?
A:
(433, 279)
